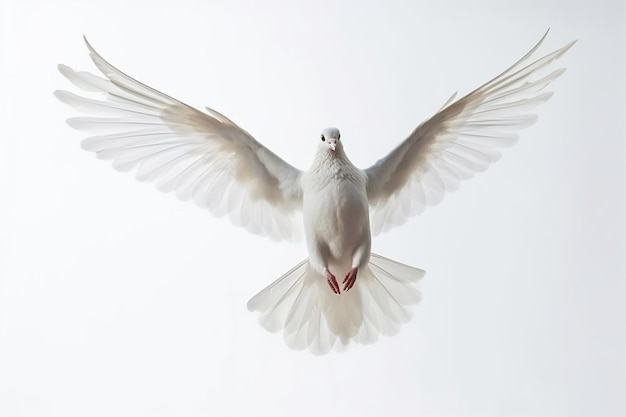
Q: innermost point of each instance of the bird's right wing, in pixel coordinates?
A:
(202, 156)
(463, 138)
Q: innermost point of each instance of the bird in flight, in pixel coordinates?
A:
(342, 292)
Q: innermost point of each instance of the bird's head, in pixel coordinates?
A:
(330, 139)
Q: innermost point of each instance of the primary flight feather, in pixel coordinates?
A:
(342, 292)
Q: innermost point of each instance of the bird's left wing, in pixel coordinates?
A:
(463, 138)
(202, 156)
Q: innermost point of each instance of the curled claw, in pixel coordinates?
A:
(332, 281)
(350, 279)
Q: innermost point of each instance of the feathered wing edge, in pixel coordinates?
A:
(463, 138)
(203, 157)
(311, 316)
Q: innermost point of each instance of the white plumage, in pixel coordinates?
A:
(342, 292)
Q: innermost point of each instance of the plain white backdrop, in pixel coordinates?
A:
(118, 300)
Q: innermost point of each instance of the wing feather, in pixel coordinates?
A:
(201, 156)
(463, 138)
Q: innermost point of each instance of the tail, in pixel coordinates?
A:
(302, 305)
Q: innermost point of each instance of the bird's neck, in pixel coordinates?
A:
(331, 164)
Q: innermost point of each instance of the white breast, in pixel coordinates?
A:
(335, 210)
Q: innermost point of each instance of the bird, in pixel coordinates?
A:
(342, 293)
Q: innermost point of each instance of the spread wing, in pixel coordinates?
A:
(202, 156)
(463, 138)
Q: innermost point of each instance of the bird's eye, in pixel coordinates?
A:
(339, 136)
(323, 138)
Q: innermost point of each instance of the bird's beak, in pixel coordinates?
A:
(332, 144)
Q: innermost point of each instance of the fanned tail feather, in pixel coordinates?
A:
(301, 304)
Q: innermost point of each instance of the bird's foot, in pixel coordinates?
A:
(332, 281)
(350, 279)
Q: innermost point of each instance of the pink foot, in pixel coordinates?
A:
(350, 279)
(332, 281)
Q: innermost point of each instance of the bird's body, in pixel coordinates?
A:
(342, 292)
(335, 211)
(337, 228)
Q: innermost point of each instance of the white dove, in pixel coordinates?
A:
(342, 293)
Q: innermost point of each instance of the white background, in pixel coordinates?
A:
(117, 300)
